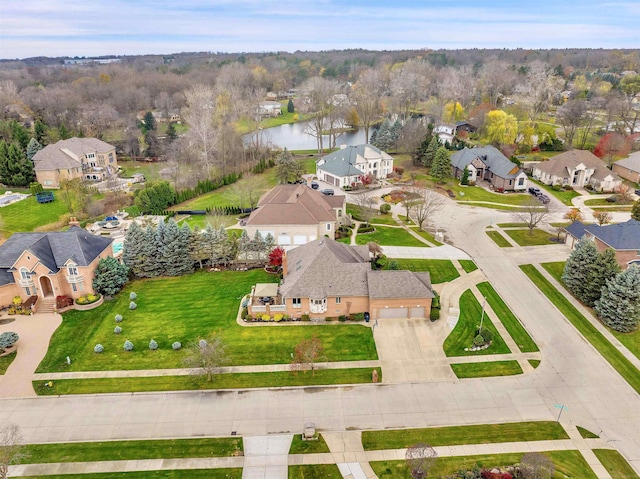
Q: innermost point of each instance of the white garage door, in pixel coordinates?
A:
(299, 239)
(417, 313)
(393, 313)
(284, 239)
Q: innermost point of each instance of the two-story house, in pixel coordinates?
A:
(50, 264)
(87, 158)
(347, 165)
(296, 214)
(623, 238)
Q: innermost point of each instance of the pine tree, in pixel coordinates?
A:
(132, 248)
(198, 246)
(149, 121)
(15, 168)
(635, 211)
(579, 266)
(20, 135)
(172, 134)
(290, 107)
(465, 176)
(40, 131)
(32, 148)
(441, 167)
(244, 246)
(110, 276)
(174, 249)
(430, 152)
(64, 133)
(619, 305)
(151, 267)
(603, 269)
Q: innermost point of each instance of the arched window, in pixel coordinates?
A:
(25, 274)
(72, 269)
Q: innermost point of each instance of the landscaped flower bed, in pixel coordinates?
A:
(87, 299)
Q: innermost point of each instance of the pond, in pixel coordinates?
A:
(293, 137)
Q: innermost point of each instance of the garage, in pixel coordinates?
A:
(393, 313)
(417, 313)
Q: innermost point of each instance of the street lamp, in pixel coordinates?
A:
(484, 302)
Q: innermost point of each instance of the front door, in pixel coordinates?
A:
(45, 286)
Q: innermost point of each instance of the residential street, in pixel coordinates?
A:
(572, 374)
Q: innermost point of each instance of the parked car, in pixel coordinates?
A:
(638, 192)
(327, 192)
(315, 185)
(535, 191)
(544, 198)
(612, 199)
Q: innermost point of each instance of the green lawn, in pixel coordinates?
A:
(498, 239)
(184, 309)
(512, 225)
(615, 464)
(201, 221)
(298, 446)
(5, 362)
(537, 237)
(457, 435)
(440, 270)
(508, 319)
(475, 193)
(485, 370)
(621, 364)
(468, 265)
(28, 214)
(586, 433)
(228, 473)
(462, 335)
(563, 195)
(148, 169)
(426, 235)
(389, 236)
(221, 381)
(384, 220)
(315, 471)
(555, 269)
(534, 362)
(569, 464)
(132, 450)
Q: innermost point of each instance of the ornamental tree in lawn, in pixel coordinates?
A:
(619, 305)
(275, 258)
(441, 168)
(578, 267)
(110, 276)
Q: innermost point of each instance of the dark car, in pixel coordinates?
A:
(638, 192)
(315, 185)
(612, 199)
(327, 192)
(544, 199)
(534, 191)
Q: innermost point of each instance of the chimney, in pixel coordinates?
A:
(284, 264)
(73, 221)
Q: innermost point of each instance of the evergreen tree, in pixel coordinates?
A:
(20, 135)
(578, 267)
(32, 148)
(15, 168)
(172, 134)
(269, 244)
(290, 107)
(441, 167)
(373, 139)
(154, 148)
(174, 249)
(465, 176)
(244, 246)
(288, 169)
(635, 211)
(619, 305)
(198, 246)
(63, 132)
(132, 249)
(40, 131)
(110, 276)
(149, 121)
(603, 269)
(151, 267)
(430, 152)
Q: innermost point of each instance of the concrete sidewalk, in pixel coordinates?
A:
(415, 252)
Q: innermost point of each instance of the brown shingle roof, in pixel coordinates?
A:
(67, 153)
(398, 284)
(294, 205)
(561, 164)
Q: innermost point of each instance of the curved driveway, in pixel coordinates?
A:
(572, 373)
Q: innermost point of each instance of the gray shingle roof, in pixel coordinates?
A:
(342, 162)
(496, 162)
(632, 162)
(54, 249)
(398, 284)
(66, 153)
(620, 236)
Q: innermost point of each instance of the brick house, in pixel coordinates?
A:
(325, 278)
(489, 164)
(623, 238)
(345, 166)
(629, 168)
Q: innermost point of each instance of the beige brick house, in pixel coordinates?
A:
(50, 264)
(629, 168)
(325, 278)
(87, 158)
(623, 238)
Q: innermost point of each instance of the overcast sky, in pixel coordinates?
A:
(103, 27)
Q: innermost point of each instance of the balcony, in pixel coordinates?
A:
(74, 278)
(26, 283)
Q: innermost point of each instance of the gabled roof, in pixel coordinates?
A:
(54, 249)
(325, 267)
(632, 162)
(342, 162)
(67, 153)
(496, 162)
(620, 236)
(399, 284)
(294, 205)
(561, 164)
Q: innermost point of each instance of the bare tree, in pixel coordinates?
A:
(535, 465)
(11, 448)
(428, 204)
(535, 89)
(409, 83)
(306, 354)
(571, 115)
(420, 458)
(531, 213)
(624, 194)
(207, 355)
(410, 200)
(366, 201)
(202, 135)
(248, 190)
(318, 101)
(366, 93)
(495, 80)
(602, 217)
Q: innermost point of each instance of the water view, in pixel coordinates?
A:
(293, 137)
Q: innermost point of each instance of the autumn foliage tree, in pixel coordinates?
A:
(276, 257)
(611, 146)
(306, 354)
(573, 215)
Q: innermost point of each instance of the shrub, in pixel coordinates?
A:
(434, 314)
(8, 339)
(117, 330)
(342, 318)
(202, 343)
(118, 318)
(153, 345)
(278, 317)
(98, 348)
(265, 317)
(63, 302)
(357, 317)
(132, 305)
(128, 345)
(244, 313)
(366, 229)
(478, 340)
(385, 208)
(305, 317)
(176, 346)
(133, 296)
(556, 188)
(486, 334)
(88, 299)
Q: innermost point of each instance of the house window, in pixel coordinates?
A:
(48, 182)
(338, 300)
(73, 287)
(318, 305)
(28, 291)
(297, 302)
(510, 182)
(24, 274)
(328, 226)
(72, 269)
(339, 213)
(521, 182)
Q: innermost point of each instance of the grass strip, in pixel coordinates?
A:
(615, 464)
(508, 319)
(314, 471)
(585, 433)
(457, 435)
(389, 236)
(485, 370)
(498, 239)
(534, 363)
(226, 473)
(440, 270)
(132, 450)
(468, 265)
(568, 464)
(465, 330)
(537, 237)
(298, 446)
(5, 362)
(221, 381)
(621, 364)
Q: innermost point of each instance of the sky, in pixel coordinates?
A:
(53, 28)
